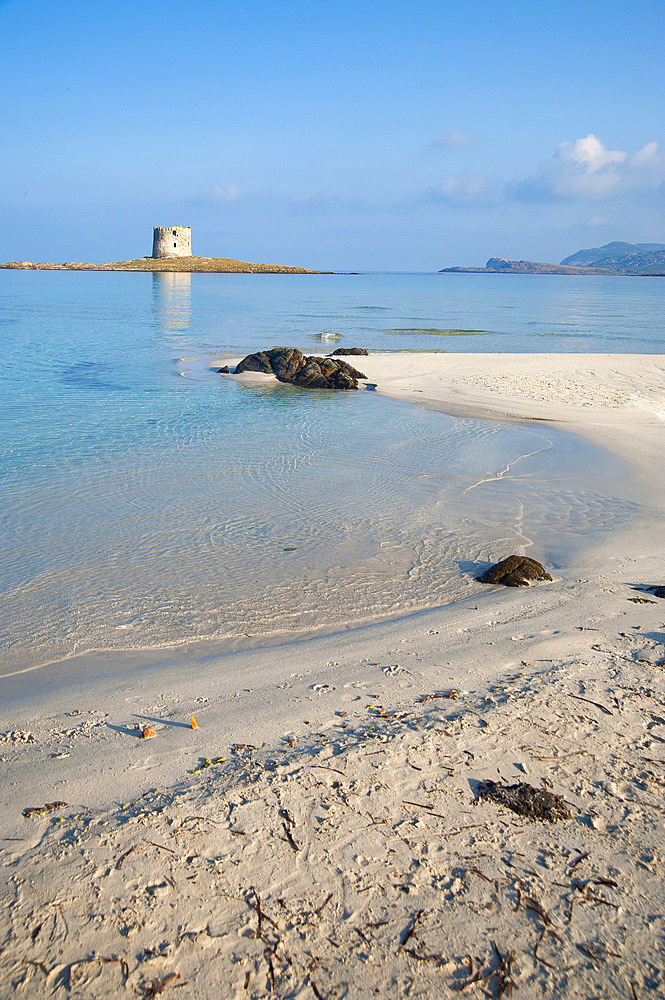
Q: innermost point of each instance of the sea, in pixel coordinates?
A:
(148, 502)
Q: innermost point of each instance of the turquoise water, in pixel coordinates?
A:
(141, 508)
(463, 312)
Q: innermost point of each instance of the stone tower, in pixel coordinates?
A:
(172, 241)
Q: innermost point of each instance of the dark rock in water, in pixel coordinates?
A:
(349, 350)
(525, 800)
(288, 364)
(223, 371)
(310, 375)
(515, 571)
(325, 373)
(259, 362)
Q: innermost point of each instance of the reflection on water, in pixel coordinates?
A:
(171, 297)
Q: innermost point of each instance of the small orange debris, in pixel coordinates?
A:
(148, 733)
(195, 724)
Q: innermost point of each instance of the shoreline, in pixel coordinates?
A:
(444, 392)
(373, 706)
(631, 428)
(593, 395)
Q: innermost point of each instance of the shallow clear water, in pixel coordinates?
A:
(423, 312)
(144, 508)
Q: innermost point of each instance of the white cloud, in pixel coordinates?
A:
(597, 220)
(646, 155)
(456, 186)
(454, 140)
(586, 169)
(465, 189)
(229, 193)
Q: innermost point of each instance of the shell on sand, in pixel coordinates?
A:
(148, 733)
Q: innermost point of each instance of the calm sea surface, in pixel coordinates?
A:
(144, 508)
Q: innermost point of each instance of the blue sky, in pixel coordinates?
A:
(337, 135)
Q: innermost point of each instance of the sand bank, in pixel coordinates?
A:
(340, 848)
(591, 394)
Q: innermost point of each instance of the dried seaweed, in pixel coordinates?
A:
(597, 704)
(504, 974)
(408, 933)
(449, 696)
(121, 859)
(159, 985)
(43, 810)
(289, 837)
(160, 846)
(525, 800)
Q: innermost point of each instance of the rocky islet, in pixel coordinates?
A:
(290, 365)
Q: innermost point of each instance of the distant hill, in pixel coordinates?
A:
(531, 267)
(501, 265)
(622, 258)
(613, 258)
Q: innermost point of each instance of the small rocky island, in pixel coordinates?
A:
(171, 251)
(192, 264)
(288, 364)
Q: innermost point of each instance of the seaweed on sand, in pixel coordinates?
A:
(525, 800)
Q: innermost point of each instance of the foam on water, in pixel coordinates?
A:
(141, 508)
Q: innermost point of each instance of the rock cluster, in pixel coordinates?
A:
(515, 571)
(288, 364)
(349, 350)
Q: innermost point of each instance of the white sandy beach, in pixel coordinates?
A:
(340, 848)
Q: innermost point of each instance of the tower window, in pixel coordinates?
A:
(174, 233)
(175, 245)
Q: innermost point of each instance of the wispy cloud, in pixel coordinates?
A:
(231, 192)
(587, 170)
(467, 189)
(454, 140)
(597, 220)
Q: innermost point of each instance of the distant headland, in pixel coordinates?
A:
(171, 251)
(612, 258)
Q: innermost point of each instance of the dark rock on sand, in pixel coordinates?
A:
(223, 371)
(658, 592)
(515, 571)
(288, 364)
(259, 362)
(349, 350)
(324, 373)
(525, 800)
